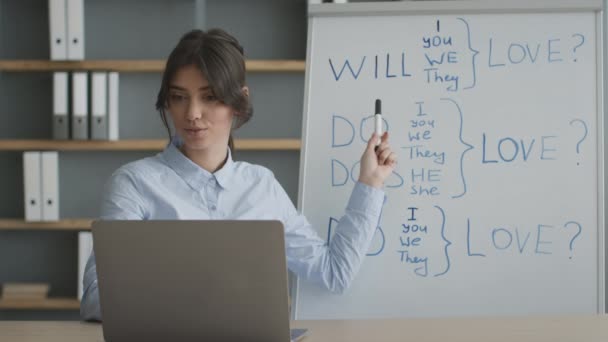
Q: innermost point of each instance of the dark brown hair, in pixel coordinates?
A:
(221, 60)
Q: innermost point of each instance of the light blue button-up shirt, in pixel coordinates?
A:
(169, 186)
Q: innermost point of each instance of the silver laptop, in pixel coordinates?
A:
(192, 280)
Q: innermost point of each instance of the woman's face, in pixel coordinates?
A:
(200, 119)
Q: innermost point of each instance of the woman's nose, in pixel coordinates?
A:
(194, 112)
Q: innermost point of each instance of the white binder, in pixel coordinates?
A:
(113, 105)
(75, 16)
(85, 247)
(99, 106)
(80, 101)
(50, 186)
(60, 106)
(32, 186)
(58, 29)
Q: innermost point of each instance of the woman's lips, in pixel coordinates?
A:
(195, 131)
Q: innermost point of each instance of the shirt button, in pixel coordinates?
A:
(213, 207)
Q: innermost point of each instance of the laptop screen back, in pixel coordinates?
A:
(192, 280)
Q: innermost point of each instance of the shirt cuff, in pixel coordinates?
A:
(366, 199)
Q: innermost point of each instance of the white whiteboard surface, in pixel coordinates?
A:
(507, 175)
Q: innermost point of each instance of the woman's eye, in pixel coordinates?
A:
(209, 98)
(177, 98)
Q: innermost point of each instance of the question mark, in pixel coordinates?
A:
(584, 136)
(579, 45)
(576, 235)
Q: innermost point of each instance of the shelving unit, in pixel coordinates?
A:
(276, 51)
(136, 65)
(138, 145)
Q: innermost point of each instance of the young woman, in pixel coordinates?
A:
(202, 99)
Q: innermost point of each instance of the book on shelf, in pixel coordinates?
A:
(61, 124)
(80, 105)
(99, 106)
(85, 247)
(32, 185)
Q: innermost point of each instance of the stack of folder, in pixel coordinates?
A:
(41, 185)
(78, 117)
(84, 118)
(31, 291)
(66, 26)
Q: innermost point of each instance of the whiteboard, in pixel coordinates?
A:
(496, 113)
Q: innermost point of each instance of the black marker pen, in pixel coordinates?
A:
(378, 121)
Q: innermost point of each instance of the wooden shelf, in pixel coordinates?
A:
(138, 145)
(137, 65)
(40, 304)
(68, 224)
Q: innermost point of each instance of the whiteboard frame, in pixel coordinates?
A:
(452, 7)
(602, 27)
(412, 8)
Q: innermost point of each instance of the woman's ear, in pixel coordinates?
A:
(246, 91)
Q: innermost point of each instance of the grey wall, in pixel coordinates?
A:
(130, 29)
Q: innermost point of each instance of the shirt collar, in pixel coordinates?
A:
(226, 173)
(193, 174)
